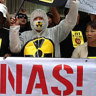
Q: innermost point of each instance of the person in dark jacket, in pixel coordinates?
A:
(4, 33)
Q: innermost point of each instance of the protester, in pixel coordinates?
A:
(42, 41)
(4, 33)
(88, 48)
(7, 23)
(53, 17)
(22, 20)
(76, 37)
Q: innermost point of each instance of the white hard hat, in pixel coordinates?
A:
(3, 9)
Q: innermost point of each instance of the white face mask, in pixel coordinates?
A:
(39, 25)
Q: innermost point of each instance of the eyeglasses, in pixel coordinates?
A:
(22, 16)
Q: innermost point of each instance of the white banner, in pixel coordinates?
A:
(88, 6)
(47, 77)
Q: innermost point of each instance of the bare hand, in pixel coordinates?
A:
(14, 21)
(6, 55)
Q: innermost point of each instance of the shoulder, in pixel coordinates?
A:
(80, 51)
(26, 34)
(81, 47)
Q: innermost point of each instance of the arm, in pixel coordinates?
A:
(56, 15)
(15, 45)
(8, 16)
(66, 25)
(71, 17)
(75, 53)
(73, 13)
(8, 21)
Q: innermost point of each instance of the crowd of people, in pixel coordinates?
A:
(46, 34)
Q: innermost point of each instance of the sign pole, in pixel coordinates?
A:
(20, 6)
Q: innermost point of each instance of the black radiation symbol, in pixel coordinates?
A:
(39, 24)
(39, 53)
(38, 44)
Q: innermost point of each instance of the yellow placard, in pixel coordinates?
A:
(47, 1)
(92, 57)
(0, 42)
(77, 38)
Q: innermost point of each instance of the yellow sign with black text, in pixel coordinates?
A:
(47, 1)
(77, 38)
(0, 42)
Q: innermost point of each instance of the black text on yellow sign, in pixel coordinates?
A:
(77, 38)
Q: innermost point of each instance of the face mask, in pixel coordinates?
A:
(39, 25)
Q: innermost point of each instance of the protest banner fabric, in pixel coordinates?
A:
(47, 77)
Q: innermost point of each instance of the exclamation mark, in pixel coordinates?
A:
(79, 79)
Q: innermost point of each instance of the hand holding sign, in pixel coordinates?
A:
(14, 21)
(49, 2)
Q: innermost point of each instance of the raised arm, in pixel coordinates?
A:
(8, 16)
(66, 25)
(71, 17)
(15, 45)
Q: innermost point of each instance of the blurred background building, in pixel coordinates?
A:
(13, 7)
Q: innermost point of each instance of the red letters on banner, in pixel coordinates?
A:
(19, 79)
(11, 78)
(3, 79)
(68, 84)
(79, 79)
(42, 85)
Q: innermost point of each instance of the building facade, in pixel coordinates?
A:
(14, 6)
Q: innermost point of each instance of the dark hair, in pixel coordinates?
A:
(92, 24)
(20, 15)
(4, 19)
(50, 14)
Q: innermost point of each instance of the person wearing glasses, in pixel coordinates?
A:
(22, 20)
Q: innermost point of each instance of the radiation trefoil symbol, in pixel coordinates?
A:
(39, 47)
(39, 24)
